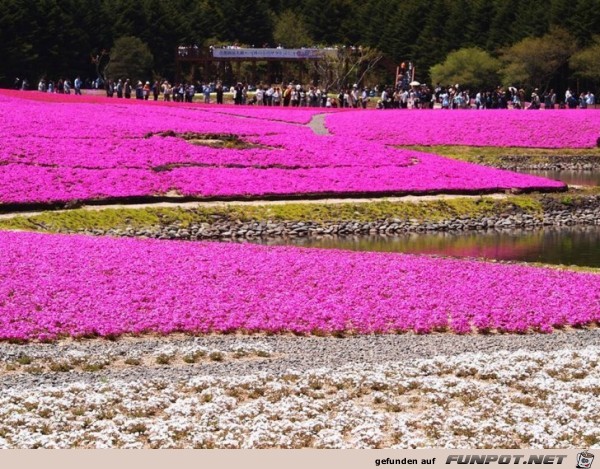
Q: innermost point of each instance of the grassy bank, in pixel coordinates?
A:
(497, 156)
(122, 218)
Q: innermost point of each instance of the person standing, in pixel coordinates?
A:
(590, 99)
(127, 89)
(269, 96)
(155, 90)
(206, 93)
(287, 95)
(110, 89)
(276, 96)
(260, 96)
(219, 92)
(139, 90)
(77, 85)
(167, 90)
(237, 94)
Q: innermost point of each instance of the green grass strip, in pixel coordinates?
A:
(122, 218)
(495, 156)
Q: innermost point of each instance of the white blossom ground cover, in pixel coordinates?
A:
(500, 399)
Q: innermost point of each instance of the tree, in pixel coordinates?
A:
(335, 71)
(586, 62)
(534, 60)
(130, 58)
(247, 22)
(290, 30)
(333, 21)
(470, 67)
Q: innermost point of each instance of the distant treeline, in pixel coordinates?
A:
(58, 37)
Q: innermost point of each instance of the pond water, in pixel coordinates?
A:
(570, 177)
(578, 246)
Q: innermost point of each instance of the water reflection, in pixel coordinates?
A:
(570, 245)
(569, 177)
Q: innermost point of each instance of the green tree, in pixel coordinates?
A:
(534, 60)
(290, 30)
(584, 20)
(130, 58)
(469, 67)
(586, 62)
(248, 22)
(333, 21)
(432, 43)
(503, 17)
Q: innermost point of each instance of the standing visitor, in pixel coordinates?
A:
(354, 96)
(269, 96)
(295, 96)
(287, 96)
(219, 92)
(206, 92)
(590, 99)
(364, 98)
(237, 94)
(312, 97)
(77, 85)
(277, 96)
(110, 89)
(155, 90)
(127, 89)
(535, 100)
(190, 92)
(120, 88)
(139, 90)
(167, 90)
(260, 96)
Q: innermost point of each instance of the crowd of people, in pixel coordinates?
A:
(297, 95)
(454, 97)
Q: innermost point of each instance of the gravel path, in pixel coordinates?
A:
(317, 124)
(285, 352)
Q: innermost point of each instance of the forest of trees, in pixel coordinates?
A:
(58, 37)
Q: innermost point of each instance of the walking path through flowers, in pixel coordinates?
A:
(242, 203)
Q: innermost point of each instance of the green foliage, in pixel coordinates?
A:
(290, 30)
(586, 62)
(496, 156)
(130, 58)
(533, 60)
(56, 37)
(471, 67)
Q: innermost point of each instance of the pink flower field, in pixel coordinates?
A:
(57, 285)
(60, 149)
(498, 128)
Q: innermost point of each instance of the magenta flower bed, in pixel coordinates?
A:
(499, 128)
(70, 150)
(56, 285)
